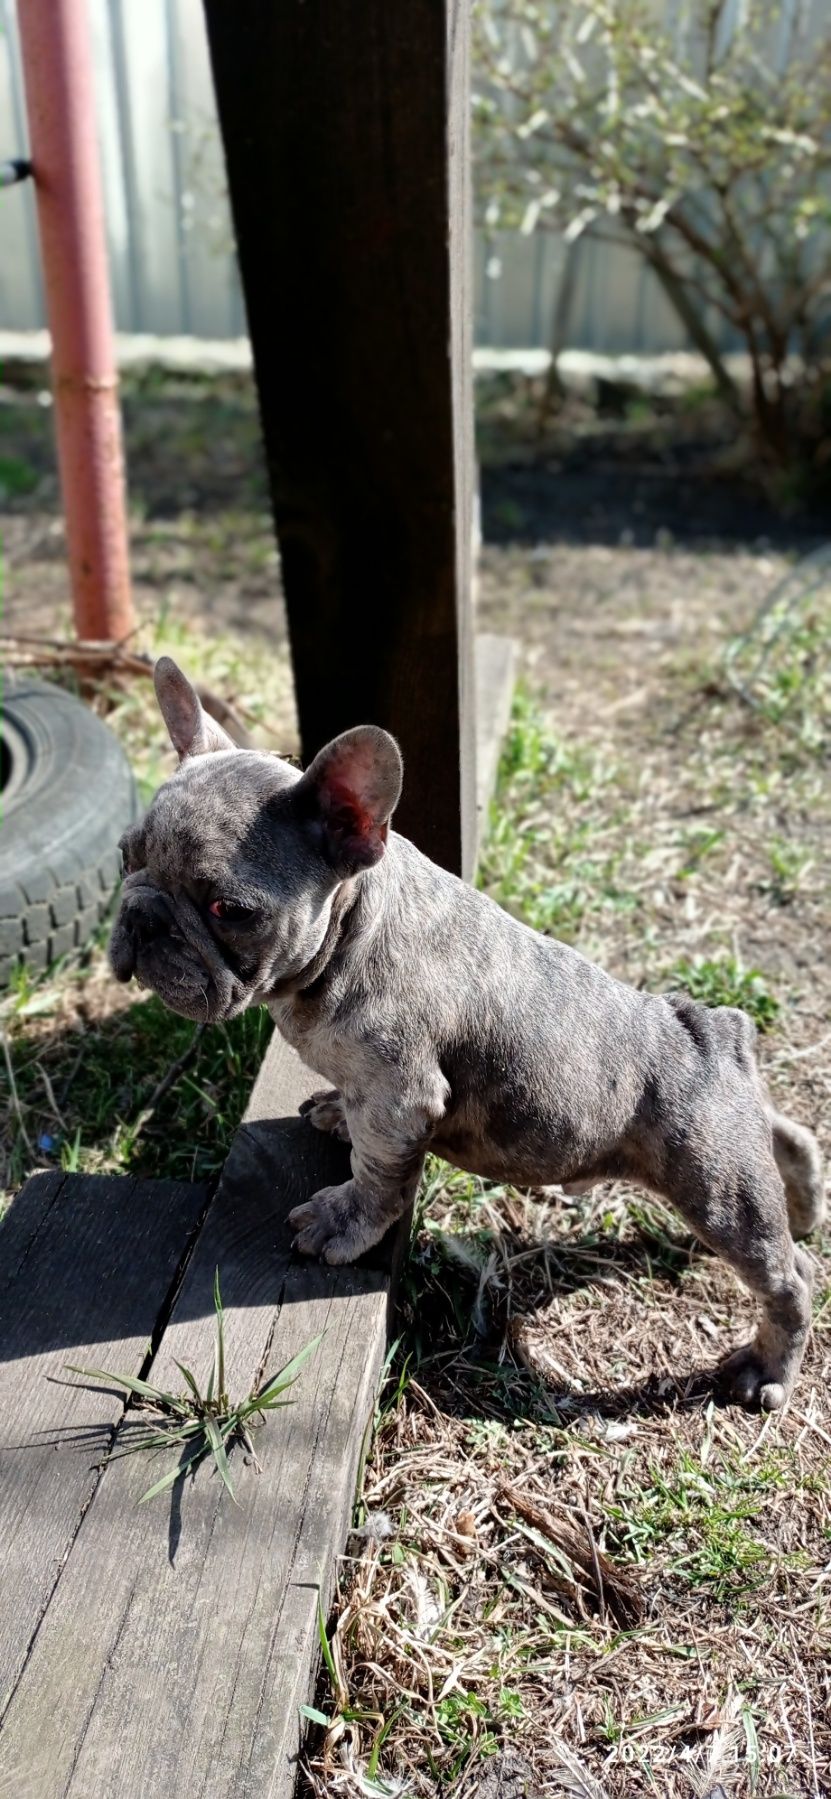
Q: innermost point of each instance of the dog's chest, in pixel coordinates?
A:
(310, 1035)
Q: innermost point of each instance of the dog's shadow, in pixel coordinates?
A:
(469, 1328)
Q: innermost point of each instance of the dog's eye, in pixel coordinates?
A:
(230, 912)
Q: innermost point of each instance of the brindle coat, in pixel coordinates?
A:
(444, 1024)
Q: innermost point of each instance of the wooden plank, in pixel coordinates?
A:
(346, 140)
(182, 1635)
(495, 671)
(88, 1265)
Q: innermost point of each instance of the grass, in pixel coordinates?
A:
(790, 866)
(780, 665)
(721, 981)
(16, 477)
(547, 1371)
(703, 1517)
(200, 1425)
(550, 872)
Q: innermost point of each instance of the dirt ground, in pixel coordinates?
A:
(571, 1558)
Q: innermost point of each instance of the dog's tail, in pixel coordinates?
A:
(799, 1162)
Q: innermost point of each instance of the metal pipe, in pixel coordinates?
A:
(60, 105)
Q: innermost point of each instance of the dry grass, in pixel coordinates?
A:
(569, 1551)
(588, 1555)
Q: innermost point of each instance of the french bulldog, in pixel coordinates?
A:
(444, 1024)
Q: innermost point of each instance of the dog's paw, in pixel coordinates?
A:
(337, 1224)
(325, 1111)
(750, 1378)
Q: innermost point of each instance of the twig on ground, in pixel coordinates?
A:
(50, 1094)
(14, 1093)
(95, 660)
(176, 1068)
(593, 1572)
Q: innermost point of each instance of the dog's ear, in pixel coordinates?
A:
(348, 796)
(192, 731)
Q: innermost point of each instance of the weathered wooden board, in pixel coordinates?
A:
(182, 1635)
(495, 664)
(351, 207)
(87, 1268)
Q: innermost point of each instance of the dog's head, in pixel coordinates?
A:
(230, 878)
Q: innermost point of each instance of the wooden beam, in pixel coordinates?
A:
(346, 138)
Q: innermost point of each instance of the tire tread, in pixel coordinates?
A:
(52, 899)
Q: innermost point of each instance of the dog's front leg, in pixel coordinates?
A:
(388, 1150)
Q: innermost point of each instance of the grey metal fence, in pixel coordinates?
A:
(171, 253)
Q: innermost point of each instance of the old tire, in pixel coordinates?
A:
(67, 795)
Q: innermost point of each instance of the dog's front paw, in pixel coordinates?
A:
(326, 1112)
(338, 1224)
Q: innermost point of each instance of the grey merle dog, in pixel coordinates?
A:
(444, 1024)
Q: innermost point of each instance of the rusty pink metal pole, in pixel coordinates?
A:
(61, 110)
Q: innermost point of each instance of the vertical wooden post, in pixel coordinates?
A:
(346, 139)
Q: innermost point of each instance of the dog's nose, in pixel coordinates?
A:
(122, 953)
(133, 931)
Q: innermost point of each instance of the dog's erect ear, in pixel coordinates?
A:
(348, 795)
(192, 731)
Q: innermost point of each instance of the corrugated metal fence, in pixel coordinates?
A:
(173, 268)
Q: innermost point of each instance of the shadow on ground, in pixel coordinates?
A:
(605, 501)
(479, 1347)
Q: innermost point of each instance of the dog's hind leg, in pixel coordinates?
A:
(763, 1373)
(800, 1164)
(739, 1211)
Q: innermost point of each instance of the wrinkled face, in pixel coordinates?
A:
(229, 880)
(225, 894)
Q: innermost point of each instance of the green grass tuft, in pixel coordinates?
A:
(702, 1517)
(200, 1424)
(16, 477)
(543, 859)
(724, 982)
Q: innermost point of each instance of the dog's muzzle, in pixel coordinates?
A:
(168, 950)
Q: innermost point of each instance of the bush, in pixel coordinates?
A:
(711, 157)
